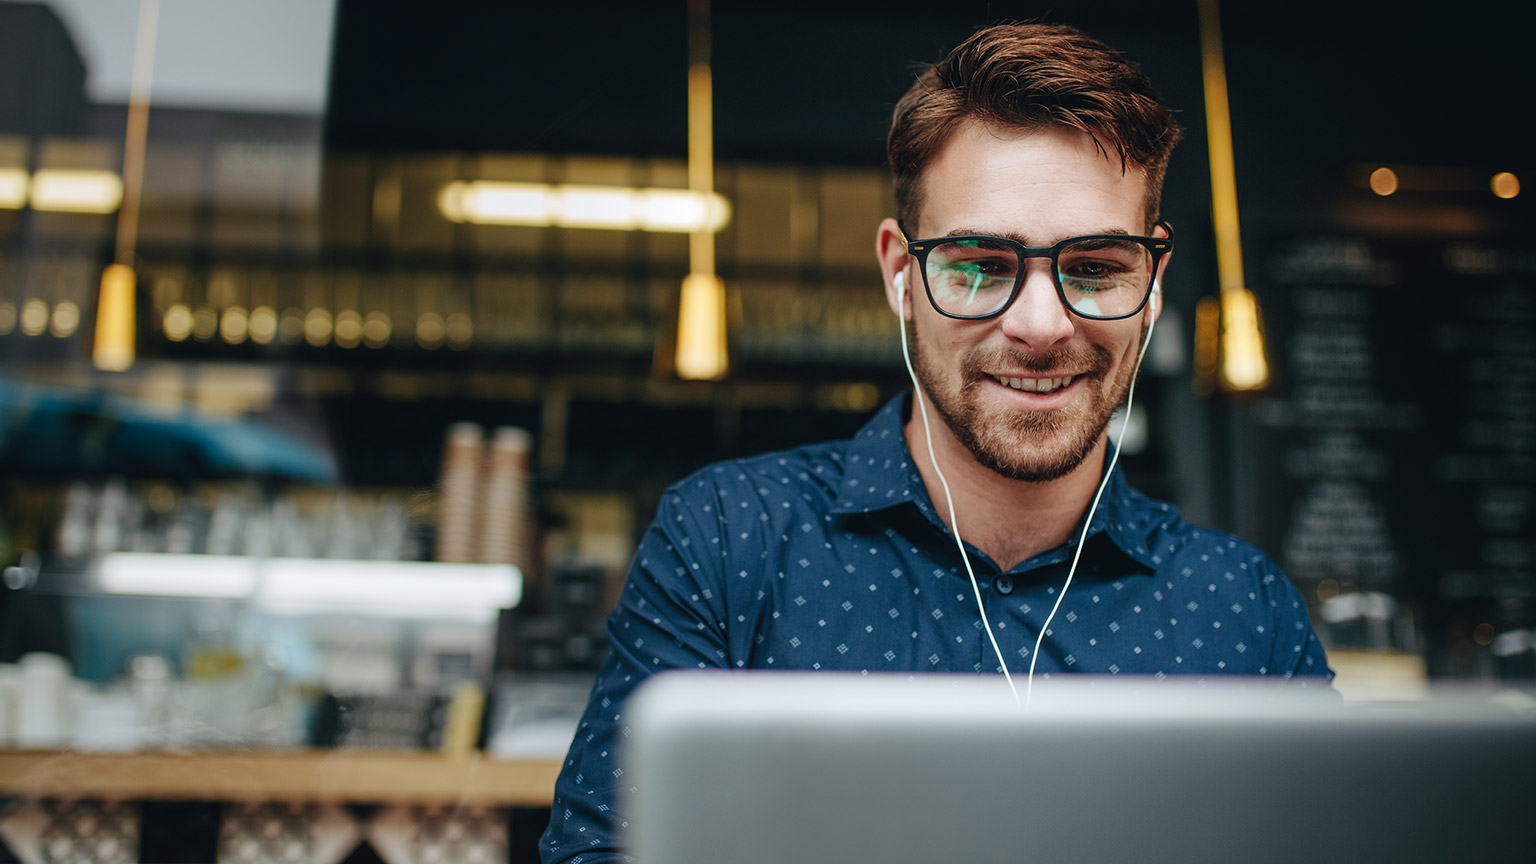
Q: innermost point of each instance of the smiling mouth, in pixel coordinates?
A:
(1036, 385)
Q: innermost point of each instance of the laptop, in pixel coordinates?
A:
(770, 768)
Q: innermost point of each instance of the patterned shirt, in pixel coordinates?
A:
(832, 556)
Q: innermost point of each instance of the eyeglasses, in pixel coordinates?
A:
(1097, 276)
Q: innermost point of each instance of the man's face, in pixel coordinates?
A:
(1030, 391)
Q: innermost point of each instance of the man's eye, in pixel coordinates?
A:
(987, 266)
(1092, 270)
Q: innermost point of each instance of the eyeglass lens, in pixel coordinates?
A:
(1099, 277)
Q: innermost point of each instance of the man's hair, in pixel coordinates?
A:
(1028, 76)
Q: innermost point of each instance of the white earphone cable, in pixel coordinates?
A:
(1029, 682)
(949, 500)
(917, 390)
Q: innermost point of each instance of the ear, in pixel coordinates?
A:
(1155, 303)
(891, 252)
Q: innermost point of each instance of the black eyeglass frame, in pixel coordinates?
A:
(1157, 246)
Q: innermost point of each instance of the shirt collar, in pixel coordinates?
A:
(879, 473)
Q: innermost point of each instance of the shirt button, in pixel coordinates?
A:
(1005, 585)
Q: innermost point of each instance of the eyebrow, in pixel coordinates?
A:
(1019, 238)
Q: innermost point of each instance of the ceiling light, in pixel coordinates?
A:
(487, 203)
(263, 325)
(13, 188)
(618, 208)
(66, 319)
(1243, 366)
(1505, 185)
(115, 319)
(701, 328)
(594, 207)
(76, 191)
(679, 210)
(702, 352)
(1241, 342)
(1383, 181)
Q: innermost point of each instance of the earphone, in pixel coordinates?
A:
(899, 282)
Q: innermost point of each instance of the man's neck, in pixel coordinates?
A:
(1010, 520)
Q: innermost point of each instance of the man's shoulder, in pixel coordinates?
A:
(1173, 540)
(1208, 570)
(808, 466)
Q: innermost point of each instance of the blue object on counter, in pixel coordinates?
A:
(53, 431)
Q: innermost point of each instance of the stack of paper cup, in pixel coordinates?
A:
(504, 525)
(459, 493)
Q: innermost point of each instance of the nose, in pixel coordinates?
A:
(1036, 318)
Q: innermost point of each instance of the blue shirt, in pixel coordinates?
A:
(832, 556)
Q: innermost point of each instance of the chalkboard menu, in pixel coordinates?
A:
(1396, 455)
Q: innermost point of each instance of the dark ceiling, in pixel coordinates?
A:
(1317, 89)
(1367, 81)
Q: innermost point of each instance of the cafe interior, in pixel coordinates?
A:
(347, 348)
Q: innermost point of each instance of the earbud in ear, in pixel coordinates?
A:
(901, 284)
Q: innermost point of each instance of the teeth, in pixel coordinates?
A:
(1037, 385)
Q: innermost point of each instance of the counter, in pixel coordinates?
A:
(385, 777)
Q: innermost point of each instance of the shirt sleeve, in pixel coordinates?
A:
(669, 616)
(1298, 653)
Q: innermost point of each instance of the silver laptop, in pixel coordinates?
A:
(771, 768)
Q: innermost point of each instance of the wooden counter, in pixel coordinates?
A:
(363, 776)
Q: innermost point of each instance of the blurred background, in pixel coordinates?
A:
(374, 307)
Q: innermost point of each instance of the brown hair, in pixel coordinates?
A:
(1024, 76)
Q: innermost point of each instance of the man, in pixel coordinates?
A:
(1023, 265)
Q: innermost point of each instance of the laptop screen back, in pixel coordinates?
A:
(767, 768)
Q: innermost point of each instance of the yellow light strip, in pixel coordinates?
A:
(76, 191)
(701, 152)
(14, 183)
(135, 138)
(1218, 124)
(618, 208)
(1243, 366)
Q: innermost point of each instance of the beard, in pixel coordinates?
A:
(1033, 446)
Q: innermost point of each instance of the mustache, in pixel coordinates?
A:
(1092, 361)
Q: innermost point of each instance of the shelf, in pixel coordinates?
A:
(385, 777)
